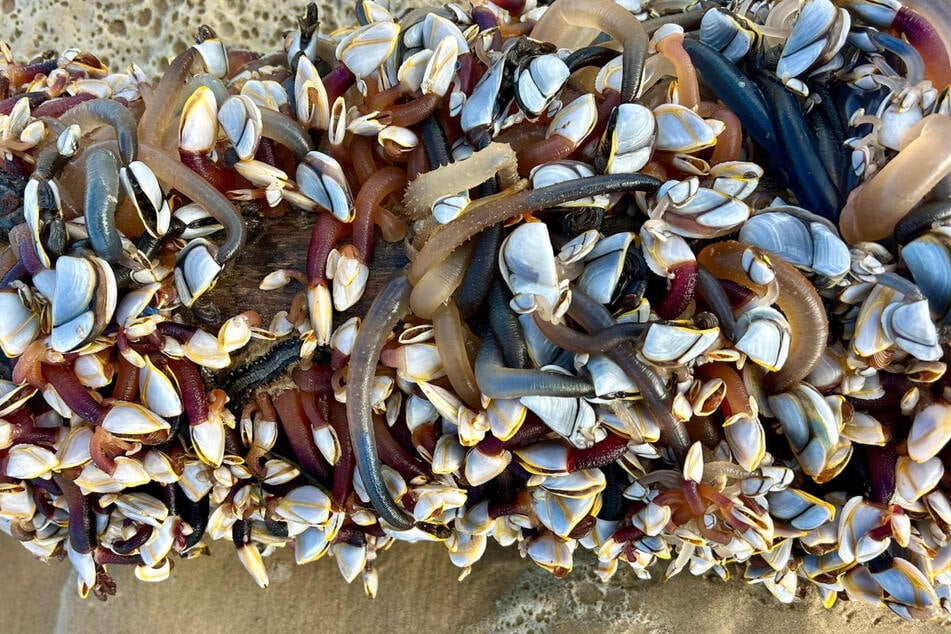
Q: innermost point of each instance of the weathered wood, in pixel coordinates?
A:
(281, 243)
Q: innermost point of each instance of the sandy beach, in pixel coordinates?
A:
(418, 592)
(418, 587)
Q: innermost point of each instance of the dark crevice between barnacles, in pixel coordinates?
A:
(11, 201)
(195, 514)
(206, 313)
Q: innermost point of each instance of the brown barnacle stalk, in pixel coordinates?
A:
(206, 421)
(104, 556)
(691, 501)
(126, 547)
(342, 484)
(104, 447)
(566, 133)
(412, 112)
(361, 158)
(325, 438)
(18, 74)
(56, 108)
(669, 42)
(373, 193)
(292, 416)
(82, 524)
(521, 504)
(741, 426)
(79, 400)
(126, 385)
(555, 458)
(25, 429)
(393, 454)
(796, 298)
(315, 379)
(730, 141)
(680, 294)
(324, 237)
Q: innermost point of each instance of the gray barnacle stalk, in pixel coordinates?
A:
(387, 309)
(199, 264)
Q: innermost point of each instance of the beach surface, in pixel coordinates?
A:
(418, 593)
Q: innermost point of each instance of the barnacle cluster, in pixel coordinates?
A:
(676, 287)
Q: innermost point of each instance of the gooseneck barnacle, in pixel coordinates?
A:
(569, 23)
(384, 313)
(557, 276)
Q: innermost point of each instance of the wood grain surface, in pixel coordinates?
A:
(281, 243)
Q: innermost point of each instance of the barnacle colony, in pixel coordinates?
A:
(673, 284)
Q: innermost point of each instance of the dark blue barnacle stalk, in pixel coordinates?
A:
(613, 502)
(505, 327)
(809, 179)
(482, 271)
(578, 220)
(732, 86)
(853, 100)
(596, 56)
(805, 148)
(828, 120)
(101, 197)
(925, 253)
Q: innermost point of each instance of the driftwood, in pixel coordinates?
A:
(281, 243)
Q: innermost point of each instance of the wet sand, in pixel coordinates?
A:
(418, 592)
